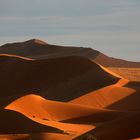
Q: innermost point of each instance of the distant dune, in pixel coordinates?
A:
(50, 92)
(38, 49)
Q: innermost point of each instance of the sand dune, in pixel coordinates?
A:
(52, 113)
(49, 113)
(76, 75)
(115, 96)
(50, 92)
(38, 49)
(59, 111)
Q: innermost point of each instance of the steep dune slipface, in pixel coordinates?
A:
(100, 101)
(58, 79)
(50, 113)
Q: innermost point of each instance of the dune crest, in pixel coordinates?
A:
(53, 110)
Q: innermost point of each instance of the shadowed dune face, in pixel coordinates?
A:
(77, 76)
(131, 100)
(125, 128)
(12, 122)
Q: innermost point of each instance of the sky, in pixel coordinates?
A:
(110, 26)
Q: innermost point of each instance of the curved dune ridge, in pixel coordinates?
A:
(71, 76)
(12, 56)
(54, 114)
(120, 96)
(38, 41)
(50, 92)
(58, 111)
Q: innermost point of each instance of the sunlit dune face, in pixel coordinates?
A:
(32, 109)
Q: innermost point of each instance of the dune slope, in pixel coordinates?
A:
(78, 119)
(59, 111)
(117, 97)
(123, 128)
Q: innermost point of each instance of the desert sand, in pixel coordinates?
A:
(51, 92)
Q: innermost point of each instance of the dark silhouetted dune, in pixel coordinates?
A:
(38, 49)
(120, 96)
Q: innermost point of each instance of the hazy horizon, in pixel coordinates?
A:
(110, 26)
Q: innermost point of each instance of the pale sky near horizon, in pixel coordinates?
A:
(110, 26)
